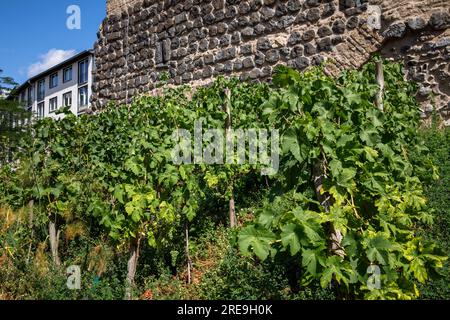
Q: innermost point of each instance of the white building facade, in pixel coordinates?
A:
(69, 84)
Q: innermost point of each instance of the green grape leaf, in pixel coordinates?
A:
(257, 239)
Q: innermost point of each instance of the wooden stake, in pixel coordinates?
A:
(132, 266)
(188, 254)
(380, 82)
(233, 219)
(228, 126)
(30, 222)
(54, 233)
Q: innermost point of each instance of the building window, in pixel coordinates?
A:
(67, 74)
(54, 80)
(30, 97)
(83, 70)
(22, 97)
(41, 110)
(53, 104)
(67, 99)
(82, 98)
(41, 90)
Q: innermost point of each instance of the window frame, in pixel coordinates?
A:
(50, 103)
(43, 110)
(30, 96)
(85, 106)
(64, 99)
(64, 74)
(39, 96)
(82, 62)
(50, 80)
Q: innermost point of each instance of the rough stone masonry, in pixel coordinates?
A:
(196, 40)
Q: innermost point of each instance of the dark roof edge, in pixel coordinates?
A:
(78, 56)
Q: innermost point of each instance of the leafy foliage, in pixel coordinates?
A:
(377, 199)
(12, 118)
(438, 140)
(109, 180)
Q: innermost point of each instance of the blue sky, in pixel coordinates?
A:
(34, 35)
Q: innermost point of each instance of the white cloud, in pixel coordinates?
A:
(48, 60)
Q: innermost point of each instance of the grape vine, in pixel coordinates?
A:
(115, 171)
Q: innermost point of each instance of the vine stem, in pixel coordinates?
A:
(31, 224)
(132, 266)
(325, 200)
(189, 262)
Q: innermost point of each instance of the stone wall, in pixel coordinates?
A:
(196, 40)
(117, 6)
